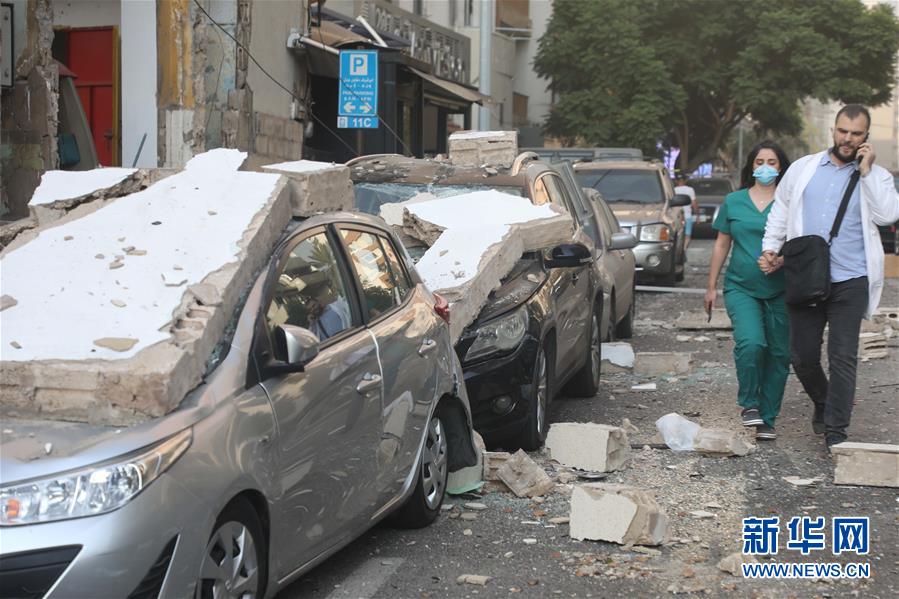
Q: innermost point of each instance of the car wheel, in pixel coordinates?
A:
(586, 382)
(538, 415)
(423, 505)
(625, 328)
(234, 562)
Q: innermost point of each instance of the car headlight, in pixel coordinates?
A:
(656, 232)
(501, 334)
(93, 490)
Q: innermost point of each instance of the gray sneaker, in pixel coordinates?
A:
(818, 421)
(765, 432)
(751, 417)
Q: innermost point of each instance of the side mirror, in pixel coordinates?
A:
(569, 255)
(295, 346)
(680, 200)
(622, 241)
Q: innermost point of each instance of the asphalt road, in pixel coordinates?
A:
(388, 563)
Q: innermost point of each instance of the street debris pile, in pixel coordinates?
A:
(111, 313)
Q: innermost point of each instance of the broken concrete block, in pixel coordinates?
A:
(475, 579)
(872, 346)
(699, 321)
(479, 148)
(715, 441)
(617, 357)
(588, 446)
(492, 462)
(868, 464)
(658, 363)
(68, 376)
(733, 563)
(618, 514)
(316, 187)
(523, 476)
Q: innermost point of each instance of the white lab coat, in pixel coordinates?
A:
(879, 205)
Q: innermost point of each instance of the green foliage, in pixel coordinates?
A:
(632, 72)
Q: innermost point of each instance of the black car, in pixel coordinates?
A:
(540, 329)
(710, 194)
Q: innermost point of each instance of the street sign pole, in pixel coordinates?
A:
(357, 102)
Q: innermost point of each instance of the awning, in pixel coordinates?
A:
(456, 90)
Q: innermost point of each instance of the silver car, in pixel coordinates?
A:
(336, 401)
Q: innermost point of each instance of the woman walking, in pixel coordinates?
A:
(754, 300)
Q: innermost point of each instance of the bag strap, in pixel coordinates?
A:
(850, 187)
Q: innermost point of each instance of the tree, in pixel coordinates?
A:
(635, 72)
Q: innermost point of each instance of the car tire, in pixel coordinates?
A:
(235, 557)
(423, 506)
(585, 382)
(537, 423)
(625, 328)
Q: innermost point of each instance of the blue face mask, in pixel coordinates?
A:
(765, 174)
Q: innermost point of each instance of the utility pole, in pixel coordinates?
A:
(486, 62)
(740, 146)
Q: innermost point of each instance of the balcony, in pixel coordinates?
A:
(513, 18)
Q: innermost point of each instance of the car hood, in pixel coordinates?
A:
(516, 288)
(631, 214)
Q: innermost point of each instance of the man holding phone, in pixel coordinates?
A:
(806, 203)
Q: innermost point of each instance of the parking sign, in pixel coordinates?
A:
(358, 97)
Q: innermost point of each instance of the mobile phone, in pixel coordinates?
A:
(858, 159)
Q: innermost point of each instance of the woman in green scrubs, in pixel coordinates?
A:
(754, 300)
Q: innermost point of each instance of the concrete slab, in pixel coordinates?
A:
(617, 357)
(867, 464)
(658, 363)
(316, 187)
(618, 514)
(524, 477)
(588, 446)
(479, 148)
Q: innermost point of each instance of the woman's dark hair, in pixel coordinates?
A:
(746, 179)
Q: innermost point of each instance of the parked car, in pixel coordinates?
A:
(710, 194)
(889, 234)
(335, 402)
(641, 196)
(541, 328)
(553, 155)
(617, 263)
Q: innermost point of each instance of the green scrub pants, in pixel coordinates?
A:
(761, 350)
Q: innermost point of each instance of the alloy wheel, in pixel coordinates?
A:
(434, 464)
(230, 566)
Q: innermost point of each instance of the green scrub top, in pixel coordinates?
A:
(739, 218)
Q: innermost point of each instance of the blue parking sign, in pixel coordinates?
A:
(358, 96)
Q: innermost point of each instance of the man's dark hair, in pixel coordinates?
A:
(747, 180)
(852, 111)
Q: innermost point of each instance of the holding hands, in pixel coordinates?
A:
(770, 262)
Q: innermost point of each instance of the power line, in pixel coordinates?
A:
(269, 75)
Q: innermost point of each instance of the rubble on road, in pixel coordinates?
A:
(866, 464)
(733, 563)
(119, 365)
(802, 482)
(699, 321)
(475, 579)
(588, 446)
(658, 363)
(872, 346)
(617, 357)
(492, 462)
(316, 186)
(618, 514)
(681, 434)
(483, 148)
(524, 477)
(644, 387)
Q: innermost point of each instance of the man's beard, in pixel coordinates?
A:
(852, 156)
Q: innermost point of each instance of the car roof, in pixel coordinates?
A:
(396, 168)
(618, 164)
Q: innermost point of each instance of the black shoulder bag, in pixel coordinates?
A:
(807, 259)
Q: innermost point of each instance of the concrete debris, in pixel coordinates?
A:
(702, 514)
(588, 446)
(316, 187)
(699, 320)
(659, 363)
(119, 344)
(702, 339)
(802, 482)
(492, 462)
(118, 303)
(618, 514)
(467, 532)
(483, 148)
(529, 541)
(872, 346)
(468, 516)
(867, 464)
(617, 357)
(733, 563)
(720, 442)
(523, 476)
(683, 338)
(393, 213)
(474, 506)
(644, 387)
(7, 301)
(628, 426)
(714, 505)
(475, 579)
(560, 520)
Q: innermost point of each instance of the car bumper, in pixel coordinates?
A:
(654, 258)
(155, 541)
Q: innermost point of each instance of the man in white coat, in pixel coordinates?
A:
(806, 203)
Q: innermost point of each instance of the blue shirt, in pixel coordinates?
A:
(820, 202)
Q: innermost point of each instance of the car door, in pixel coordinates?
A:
(406, 328)
(572, 292)
(619, 263)
(328, 416)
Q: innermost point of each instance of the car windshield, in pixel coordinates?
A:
(624, 185)
(371, 196)
(711, 186)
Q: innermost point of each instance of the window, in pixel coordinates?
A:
(384, 283)
(310, 291)
(624, 185)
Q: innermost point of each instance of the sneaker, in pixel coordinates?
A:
(831, 439)
(818, 420)
(765, 432)
(751, 417)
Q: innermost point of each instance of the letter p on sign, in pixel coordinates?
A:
(359, 65)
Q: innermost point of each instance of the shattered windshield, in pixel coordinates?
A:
(371, 196)
(624, 185)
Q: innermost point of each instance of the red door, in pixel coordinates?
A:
(91, 54)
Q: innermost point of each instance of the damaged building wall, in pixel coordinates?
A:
(28, 111)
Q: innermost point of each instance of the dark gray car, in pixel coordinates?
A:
(710, 194)
(336, 401)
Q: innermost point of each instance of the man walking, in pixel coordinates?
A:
(806, 203)
(680, 186)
